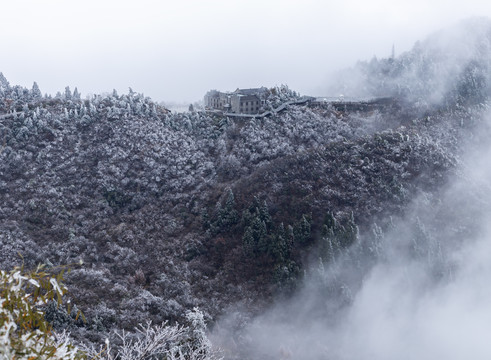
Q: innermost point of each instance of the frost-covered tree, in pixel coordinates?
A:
(227, 215)
(68, 93)
(168, 342)
(4, 84)
(76, 94)
(35, 91)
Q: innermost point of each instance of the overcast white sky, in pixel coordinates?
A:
(177, 50)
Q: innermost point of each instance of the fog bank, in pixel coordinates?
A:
(419, 290)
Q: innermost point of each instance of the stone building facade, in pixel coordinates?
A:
(241, 101)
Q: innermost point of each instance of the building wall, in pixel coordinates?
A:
(233, 102)
(249, 104)
(224, 101)
(211, 99)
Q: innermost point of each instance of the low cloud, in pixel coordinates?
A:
(426, 295)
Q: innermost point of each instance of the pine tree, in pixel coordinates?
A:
(264, 214)
(230, 214)
(248, 242)
(68, 93)
(376, 245)
(255, 238)
(280, 247)
(35, 92)
(302, 230)
(76, 94)
(4, 84)
(205, 219)
(330, 220)
(349, 234)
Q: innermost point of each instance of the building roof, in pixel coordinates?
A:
(247, 97)
(254, 91)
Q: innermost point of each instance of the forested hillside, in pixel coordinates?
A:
(158, 212)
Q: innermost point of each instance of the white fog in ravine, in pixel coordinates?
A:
(423, 294)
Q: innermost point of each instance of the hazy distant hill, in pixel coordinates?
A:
(449, 66)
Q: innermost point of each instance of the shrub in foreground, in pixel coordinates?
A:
(25, 334)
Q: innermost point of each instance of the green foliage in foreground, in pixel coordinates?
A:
(26, 335)
(24, 332)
